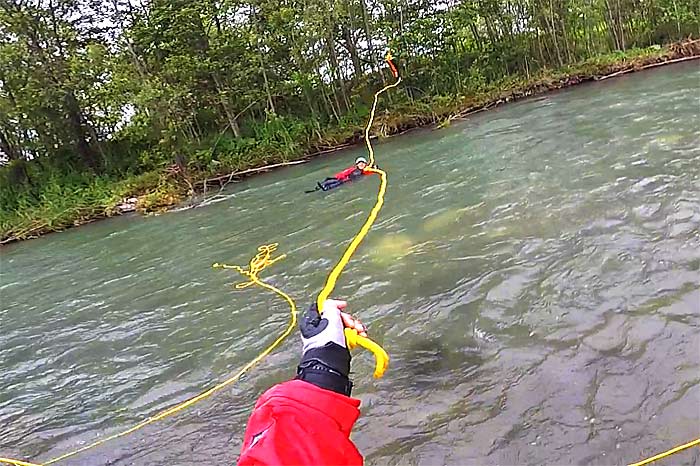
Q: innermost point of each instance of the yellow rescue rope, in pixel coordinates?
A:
(258, 263)
(670, 452)
(263, 260)
(17, 462)
(352, 337)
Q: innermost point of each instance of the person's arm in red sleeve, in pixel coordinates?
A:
(298, 423)
(345, 174)
(307, 421)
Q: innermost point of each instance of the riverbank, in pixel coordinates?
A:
(63, 207)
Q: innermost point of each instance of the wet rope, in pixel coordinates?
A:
(670, 452)
(261, 261)
(17, 462)
(352, 247)
(352, 337)
(258, 263)
(264, 259)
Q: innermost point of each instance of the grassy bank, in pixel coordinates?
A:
(64, 202)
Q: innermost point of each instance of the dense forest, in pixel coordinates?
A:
(105, 98)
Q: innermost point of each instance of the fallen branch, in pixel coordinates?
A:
(250, 171)
(230, 177)
(333, 149)
(652, 65)
(246, 109)
(408, 130)
(469, 111)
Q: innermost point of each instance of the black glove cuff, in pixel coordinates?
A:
(322, 376)
(327, 367)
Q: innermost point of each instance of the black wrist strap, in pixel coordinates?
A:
(317, 373)
(327, 367)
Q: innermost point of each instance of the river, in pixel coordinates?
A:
(534, 275)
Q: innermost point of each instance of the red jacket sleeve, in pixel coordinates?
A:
(345, 174)
(297, 423)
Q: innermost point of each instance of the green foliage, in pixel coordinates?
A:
(101, 100)
(160, 198)
(60, 204)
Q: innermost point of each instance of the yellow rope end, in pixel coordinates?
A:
(381, 358)
(17, 462)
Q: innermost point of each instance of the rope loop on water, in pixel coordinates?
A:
(258, 263)
(262, 260)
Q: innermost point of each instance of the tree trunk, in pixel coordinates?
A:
(539, 47)
(330, 102)
(352, 44)
(7, 147)
(475, 34)
(270, 102)
(230, 116)
(352, 49)
(611, 26)
(309, 101)
(335, 68)
(566, 40)
(368, 36)
(621, 26)
(138, 64)
(587, 33)
(96, 142)
(78, 129)
(490, 32)
(553, 33)
(370, 47)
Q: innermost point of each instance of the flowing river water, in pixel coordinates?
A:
(534, 275)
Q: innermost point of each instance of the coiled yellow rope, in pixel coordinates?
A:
(258, 263)
(261, 261)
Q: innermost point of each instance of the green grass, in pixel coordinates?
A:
(62, 204)
(59, 206)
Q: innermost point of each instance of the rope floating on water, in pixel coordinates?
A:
(352, 337)
(17, 462)
(670, 452)
(352, 247)
(261, 261)
(257, 264)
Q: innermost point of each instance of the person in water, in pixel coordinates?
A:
(349, 174)
(307, 420)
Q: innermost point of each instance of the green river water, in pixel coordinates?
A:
(534, 275)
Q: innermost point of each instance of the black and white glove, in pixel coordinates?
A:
(325, 359)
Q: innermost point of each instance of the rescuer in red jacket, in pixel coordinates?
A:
(349, 174)
(307, 421)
